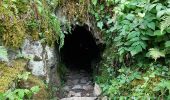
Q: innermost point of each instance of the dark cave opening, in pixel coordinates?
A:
(80, 49)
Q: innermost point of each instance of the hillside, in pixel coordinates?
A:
(84, 49)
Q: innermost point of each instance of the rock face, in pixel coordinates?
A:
(3, 54)
(32, 48)
(42, 58)
(97, 90)
(37, 68)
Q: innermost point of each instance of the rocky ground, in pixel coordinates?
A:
(78, 86)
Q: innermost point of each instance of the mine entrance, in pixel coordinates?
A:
(79, 49)
(79, 54)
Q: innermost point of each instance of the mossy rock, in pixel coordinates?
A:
(8, 74)
(32, 81)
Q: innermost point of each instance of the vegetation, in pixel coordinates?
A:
(9, 74)
(20, 18)
(20, 94)
(137, 56)
(136, 60)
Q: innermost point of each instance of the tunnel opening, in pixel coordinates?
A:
(80, 49)
(80, 55)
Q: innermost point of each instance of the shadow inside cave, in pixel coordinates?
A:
(80, 49)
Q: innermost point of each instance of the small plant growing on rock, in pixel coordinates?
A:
(20, 94)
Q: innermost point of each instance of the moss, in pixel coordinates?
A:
(32, 28)
(43, 94)
(22, 6)
(62, 70)
(50, 37)
(12, 28)
(76, 9)
(9, 74)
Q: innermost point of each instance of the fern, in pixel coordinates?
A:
(165, 24)
(156, 53)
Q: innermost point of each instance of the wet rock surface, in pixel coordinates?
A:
(79, 84)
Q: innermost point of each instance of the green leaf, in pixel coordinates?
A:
(35, 89)
(94, 2)
(159, 7)
(24, 76)
(130, 17)
(110, 21)
(168, 30)
(121, 50)
(133, 34)
(151, 6)
(135, 50)
(28, 93)
(135, 39)
(141, 15)
(100, 24)
(146, 78)
(167, 44)
(158, 33)
(165, 24)
(2, 96)
(151, 25)
(128, 43)
(135, 43)
(161, 13)
(143, 44)
(20, 93)
(156, 53)
(119, 43)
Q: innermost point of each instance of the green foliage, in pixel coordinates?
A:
(11, 26)
(165, 23)
(133, 26)
(139, 32)
(155, 53)
(20, 94)
(19, 18)
(94, 2)
(130, 82)
(23, 76)
(51, 31)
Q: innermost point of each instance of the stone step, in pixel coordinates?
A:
(80, 98)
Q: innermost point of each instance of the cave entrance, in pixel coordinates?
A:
(80, 49)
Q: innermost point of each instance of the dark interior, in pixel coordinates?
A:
(79, 49)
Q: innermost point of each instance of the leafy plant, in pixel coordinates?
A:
(138, 30)
(20, 94)
(24, 76)
(155, 53)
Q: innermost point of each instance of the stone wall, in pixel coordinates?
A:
(42, 58)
